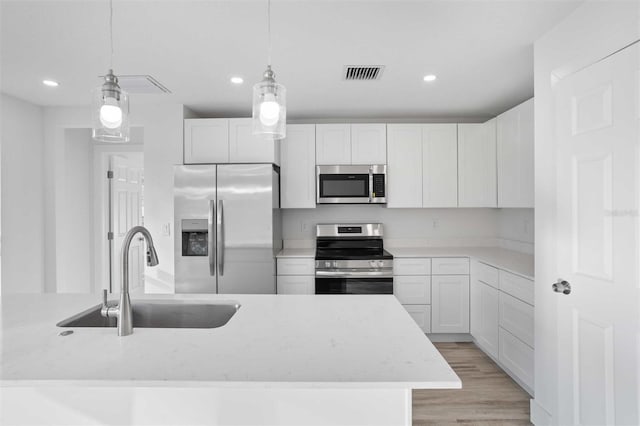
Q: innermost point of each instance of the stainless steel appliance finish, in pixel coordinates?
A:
(161, 314)
(227, 225)
(359, 184)
(350, 259)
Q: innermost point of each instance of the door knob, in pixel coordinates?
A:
(561, 286)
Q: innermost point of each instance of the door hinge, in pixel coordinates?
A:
(109, 235)
(110, 174)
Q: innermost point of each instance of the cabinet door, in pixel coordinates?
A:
(296, 284)
(515, 139)
(517, 318)
(333, 144)
(368, 144)
(440, 165)
(421, 314)
(244, 147)
(412, 290)
(404, 165)
(450, 304)
(297, 173)
(477, 165)
(484, 317)
(206, 140)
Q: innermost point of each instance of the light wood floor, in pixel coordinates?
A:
(488, 396)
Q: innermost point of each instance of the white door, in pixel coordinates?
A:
(127, 212)
(597, 242)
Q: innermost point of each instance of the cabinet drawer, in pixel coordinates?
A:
(517, 318)
(517, 357)
(413, 290)
(485, 273)
(517, 286)
(421, 314)
(412, 266)
(450, 266)
(296, 284)
(296, 266)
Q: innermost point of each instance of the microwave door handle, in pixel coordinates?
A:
(211, 237)
(371, 194)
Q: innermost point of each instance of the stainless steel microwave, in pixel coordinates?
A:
(351, 184)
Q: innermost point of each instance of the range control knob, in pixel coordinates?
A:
(327, 264)
(373, 263)
(380, 263)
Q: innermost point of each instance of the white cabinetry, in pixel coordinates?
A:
(515, 137)
(404, 165)
(440, 165)
(477, 165)
(450, 304)
(412, 287)
(297, 173)
(206, 141)
(351, 144)
(484, 307)
(296, 275)
(223, 140)
(244, 147)
(422, 165)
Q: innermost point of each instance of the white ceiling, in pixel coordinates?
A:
(481, 51)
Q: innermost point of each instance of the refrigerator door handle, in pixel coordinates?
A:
(211, 238)
(220, 239)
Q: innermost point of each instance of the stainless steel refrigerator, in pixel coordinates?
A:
(227, 228)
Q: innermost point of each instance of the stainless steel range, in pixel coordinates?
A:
(351, 259)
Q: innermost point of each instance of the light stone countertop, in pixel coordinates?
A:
(290, 341)
(508, 260)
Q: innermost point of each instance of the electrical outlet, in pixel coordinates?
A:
(436, 223)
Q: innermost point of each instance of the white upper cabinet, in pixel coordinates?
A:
(206, 140)
(440, 165)
(404, 165)
(515, 136)
(368, 144)
(223, 140)
(297, 173)
(351, 144)
(333, 144)
(244, 147)
(477, 165)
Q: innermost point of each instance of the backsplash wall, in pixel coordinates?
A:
(406, 227)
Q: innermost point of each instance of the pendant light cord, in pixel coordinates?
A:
(269, 31)
(111, 32)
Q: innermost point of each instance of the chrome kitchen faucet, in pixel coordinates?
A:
(123, 311)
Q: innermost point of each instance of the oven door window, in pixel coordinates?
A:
(354, 285)
(344, 186)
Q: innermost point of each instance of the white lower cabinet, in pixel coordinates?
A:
(484, 316)
(450, 304)
(517, 318)
(517, 357)
(413, 290)
(296, 284)
(421, 314)
(296, 275)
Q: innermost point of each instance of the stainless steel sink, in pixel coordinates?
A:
(161, 314)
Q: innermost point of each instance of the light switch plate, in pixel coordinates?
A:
(166, 229)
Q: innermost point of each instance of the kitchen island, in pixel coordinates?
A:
(279, 360)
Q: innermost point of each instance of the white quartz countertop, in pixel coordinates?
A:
(272, 341)
(508, 260)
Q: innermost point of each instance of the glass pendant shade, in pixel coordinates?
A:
(110, 112)
(269, 107)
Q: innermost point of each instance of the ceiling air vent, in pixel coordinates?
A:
(363, 72)
(142, 84)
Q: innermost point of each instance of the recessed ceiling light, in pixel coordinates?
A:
(429, 77)
(237, 80)
(50, 83)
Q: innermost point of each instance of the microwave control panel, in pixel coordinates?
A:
(378, 186)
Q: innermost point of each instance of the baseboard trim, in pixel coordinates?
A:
(539, 416)
(450, 337)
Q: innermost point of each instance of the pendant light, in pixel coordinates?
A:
(269, 99)
(110, 108)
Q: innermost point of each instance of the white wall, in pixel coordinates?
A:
(401, 226)
(516, 229)
(596, 29)
(22, 196)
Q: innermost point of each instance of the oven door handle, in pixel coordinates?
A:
(354, 274)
